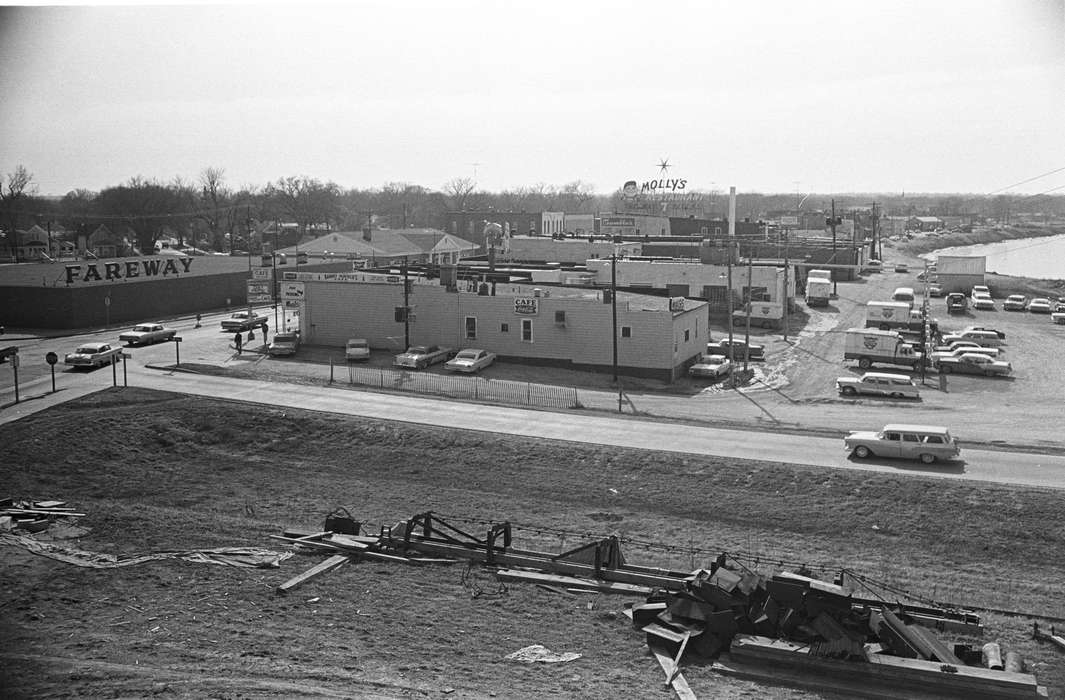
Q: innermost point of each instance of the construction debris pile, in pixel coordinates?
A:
(786, 628)
(797, 624)
(27, 515)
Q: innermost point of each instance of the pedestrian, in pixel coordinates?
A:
(266, 329)
(239, 340)
(942, 381)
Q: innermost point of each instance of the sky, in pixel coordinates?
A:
(773, 96)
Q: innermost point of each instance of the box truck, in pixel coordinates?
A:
(886, 315)
(764, 314)
(818, 291)
(874, 346)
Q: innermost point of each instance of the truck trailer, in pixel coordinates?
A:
(874, 346)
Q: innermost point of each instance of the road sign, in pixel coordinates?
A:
(176, 338)
(259, 291)
(292, 290)
(51, 358)
(10, 351)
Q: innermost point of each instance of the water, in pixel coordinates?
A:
(1038, 258)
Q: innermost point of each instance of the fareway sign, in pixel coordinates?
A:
(150, 267)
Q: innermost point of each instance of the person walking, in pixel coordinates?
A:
(266, 330)
(239, 340)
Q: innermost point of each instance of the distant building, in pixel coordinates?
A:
(924, 223)
(386, 246)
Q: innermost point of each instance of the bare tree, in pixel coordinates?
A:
(460, 191)
(19, 187)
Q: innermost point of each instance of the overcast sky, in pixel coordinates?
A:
(775, 96)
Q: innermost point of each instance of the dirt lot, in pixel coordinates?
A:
(155, 471)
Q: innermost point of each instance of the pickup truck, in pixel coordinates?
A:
(421, 356)
(243, 321)
(146, 333)
(93, 355)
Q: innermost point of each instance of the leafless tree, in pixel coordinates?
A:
(460, 192)
(12, 196)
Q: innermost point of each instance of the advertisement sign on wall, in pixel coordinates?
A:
(526, 306)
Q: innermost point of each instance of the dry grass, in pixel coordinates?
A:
(161, 471)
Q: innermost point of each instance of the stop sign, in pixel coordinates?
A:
(51, 358)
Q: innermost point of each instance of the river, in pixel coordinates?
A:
(1035, 258)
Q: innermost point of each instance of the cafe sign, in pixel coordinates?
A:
(526, 306)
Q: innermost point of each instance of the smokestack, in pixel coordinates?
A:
(731, 213)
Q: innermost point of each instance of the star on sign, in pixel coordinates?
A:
(663, 165)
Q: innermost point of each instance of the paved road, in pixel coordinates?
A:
(981, 465)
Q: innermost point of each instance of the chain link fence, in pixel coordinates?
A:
(466, 387)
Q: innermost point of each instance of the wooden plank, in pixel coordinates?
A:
(571, 582)
(679, 683)
(676, 661)
(333, 562)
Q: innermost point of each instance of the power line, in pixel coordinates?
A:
(1022, 182)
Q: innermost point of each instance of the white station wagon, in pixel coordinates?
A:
(927, 443)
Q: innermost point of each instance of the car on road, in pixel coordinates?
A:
(972, 363)
(470, 360)
(873, 265)
(1039, 305)
(93, 355)
(357, 350)
(1015, 302)
(878, 384)
(422, 356)
(243, 321)
(285, 343)
(146, 333)
(934, 290)
(927, 443)
(983, 302)
(711, 366)
(739, 349)
(902, 267)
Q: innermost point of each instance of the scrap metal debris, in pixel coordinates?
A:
(538, 653)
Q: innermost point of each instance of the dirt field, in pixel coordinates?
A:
(155, 471)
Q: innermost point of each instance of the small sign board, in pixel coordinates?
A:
(292, 291)
(262, 273)
(259, 291)
(526, 306)
(51, 358)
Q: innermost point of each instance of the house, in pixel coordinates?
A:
(924, 223)
(386, 246)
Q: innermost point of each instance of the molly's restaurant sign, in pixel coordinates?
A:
(151, 267)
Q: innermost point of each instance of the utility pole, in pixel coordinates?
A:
(728, 291)
(273, 280)
(406, 306)
(614, 306)
(833, 221)
(747, 334)
(785, 299)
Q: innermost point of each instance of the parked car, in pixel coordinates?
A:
(1001, 334)
(972, 363)
(739, 349)
(927, 443)
(286, 343)
(357, 349)
(927, 276)
(243, 321)
(422, 356)
(986, 338)
(938, 355)
(1039, 305)
(980, 289)
(145, 333)
(1015, 302)
(470, 360)
(93, 355)
(902, 267)
(983, 302)
(966, 346)
(878, 384)
(934, 290)
(873, 265)
(956, 303)
(711, 366)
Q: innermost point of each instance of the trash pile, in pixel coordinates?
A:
(791, 623)
(30, 516)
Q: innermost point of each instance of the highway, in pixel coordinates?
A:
(1019, 468)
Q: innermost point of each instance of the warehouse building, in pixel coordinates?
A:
(658, 337)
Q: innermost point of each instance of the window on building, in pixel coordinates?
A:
(471, 328)
(687, 335)
(526, 330)
(560, 317)
(504, 328)
(626, 331)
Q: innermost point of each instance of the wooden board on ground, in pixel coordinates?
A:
(333, 562)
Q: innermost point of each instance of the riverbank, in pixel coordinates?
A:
(1001, 285)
